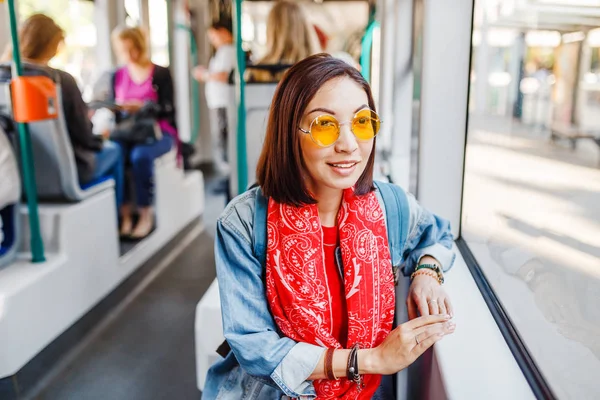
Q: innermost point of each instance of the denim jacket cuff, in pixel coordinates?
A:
(442, 254)
(293, 371)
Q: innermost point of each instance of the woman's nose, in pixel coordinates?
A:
(346, 143)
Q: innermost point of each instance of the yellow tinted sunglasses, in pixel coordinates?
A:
(325, 129)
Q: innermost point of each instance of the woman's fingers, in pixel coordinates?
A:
(441, 327)
(412, 307)
(425, 344)
(422, 305)
(442, 306)
(424, 321)
(449, 309)
(433, 306)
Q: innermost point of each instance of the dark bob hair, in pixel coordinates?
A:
(281, 168)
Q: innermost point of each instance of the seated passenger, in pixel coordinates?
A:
(308, 296)
(40, 38)
(137, 83)
(290, 38)
(10, 188)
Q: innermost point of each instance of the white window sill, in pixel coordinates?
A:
(475, 362)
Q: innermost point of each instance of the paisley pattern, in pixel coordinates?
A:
(297, 287)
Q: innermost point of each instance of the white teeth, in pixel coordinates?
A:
(343, 165)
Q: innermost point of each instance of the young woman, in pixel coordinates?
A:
(140, 81)
(317, 319)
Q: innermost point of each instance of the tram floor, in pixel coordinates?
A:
(146, 350)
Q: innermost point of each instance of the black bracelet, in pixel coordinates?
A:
(352, 372)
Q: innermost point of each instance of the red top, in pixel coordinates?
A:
(336, 285)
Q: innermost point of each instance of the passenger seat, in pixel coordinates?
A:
(55, 168)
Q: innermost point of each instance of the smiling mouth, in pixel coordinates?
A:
(347, 165)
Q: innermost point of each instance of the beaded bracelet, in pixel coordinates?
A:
(427, 272)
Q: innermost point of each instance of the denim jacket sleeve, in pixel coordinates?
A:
(247, 322)
(429, 235)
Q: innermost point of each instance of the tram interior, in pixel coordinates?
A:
(104, 318)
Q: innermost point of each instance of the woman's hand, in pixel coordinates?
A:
(132, 106)
(405, 344)
(200, 73)
(427, 297)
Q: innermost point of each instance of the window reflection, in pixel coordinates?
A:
(78, 55)
(531, 207)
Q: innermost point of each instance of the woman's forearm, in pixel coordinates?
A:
(367, 364)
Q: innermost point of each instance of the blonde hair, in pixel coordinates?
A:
(290, 38)
(37, 35)
(137, 37)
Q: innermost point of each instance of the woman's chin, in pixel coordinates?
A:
(342, 183)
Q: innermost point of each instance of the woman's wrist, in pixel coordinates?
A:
(369, 362)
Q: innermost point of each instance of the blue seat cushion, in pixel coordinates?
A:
(8, 229)
(94, 182)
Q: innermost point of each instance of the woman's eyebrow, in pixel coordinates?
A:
(328, 111)
(360, 108)
(323, 110)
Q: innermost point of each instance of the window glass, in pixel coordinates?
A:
(531, 206)
(78, 55)
(159, 32)
(132, 8)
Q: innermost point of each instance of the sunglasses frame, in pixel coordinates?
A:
(309, 131)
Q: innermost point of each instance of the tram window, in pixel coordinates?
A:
(78, 55)
(531, 214)
(159, 32)
(132, 8)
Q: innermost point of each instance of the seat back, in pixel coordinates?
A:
(258, 102)
(54, 160)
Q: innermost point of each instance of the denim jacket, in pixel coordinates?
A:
(263, 364)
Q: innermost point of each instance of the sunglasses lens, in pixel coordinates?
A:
(325, 130)
(365, 124)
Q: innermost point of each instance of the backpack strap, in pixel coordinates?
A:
(397, 215)
(259, 228)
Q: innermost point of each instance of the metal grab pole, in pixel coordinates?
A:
(365, 52)
(37, 245)
(195, 85)
(242, 167)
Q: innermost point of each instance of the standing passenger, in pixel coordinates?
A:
(309, 311)
(216, 78)
(138, 82)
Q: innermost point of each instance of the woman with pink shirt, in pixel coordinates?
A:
(138, 82)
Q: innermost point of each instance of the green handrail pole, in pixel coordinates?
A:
(37, 245)
(242, 166)
(365, 52)
(194, 83)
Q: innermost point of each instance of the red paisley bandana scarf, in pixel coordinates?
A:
(297, 288)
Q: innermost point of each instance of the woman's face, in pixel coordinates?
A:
(126, 51)
(338, 166)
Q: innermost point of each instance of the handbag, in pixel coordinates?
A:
(139, 128)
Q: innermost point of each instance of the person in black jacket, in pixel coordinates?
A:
(138, 82)
(40, 38)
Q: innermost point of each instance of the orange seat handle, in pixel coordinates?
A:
(34, 98)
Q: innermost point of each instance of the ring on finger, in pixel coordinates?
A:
(432, 301)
